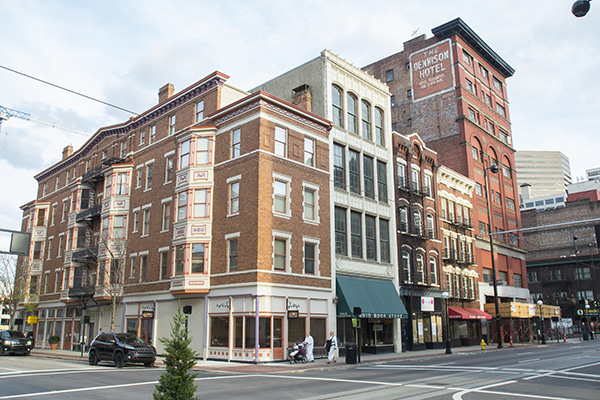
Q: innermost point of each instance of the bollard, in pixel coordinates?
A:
(565, 338)
(482, 344)
(511, 341)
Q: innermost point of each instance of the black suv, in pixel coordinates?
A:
(121, 348)
(13, 342)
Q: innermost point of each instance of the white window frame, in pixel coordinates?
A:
(288, 201)
(236, 143)
(172, 120)
(166, 204)
(278, 149)
(139, 173)
(136, 220)
(169, 156)
(315, 189)
(228, 238)
(230, 182)
(146, 220)
(316, 243)
(287, 237)
(149, 166)
(199, 111)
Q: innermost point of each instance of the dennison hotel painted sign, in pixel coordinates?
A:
(432, 70)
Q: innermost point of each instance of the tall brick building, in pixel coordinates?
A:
(214, 198)
(451, 89)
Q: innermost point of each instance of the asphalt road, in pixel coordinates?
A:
(569, 371)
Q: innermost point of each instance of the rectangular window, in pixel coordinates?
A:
(119, 227)
(478, 189)
(166, 217)
(309, 204)
(354, 171)
(309, 152)
(371, 237)
(202, 151)
(132, 267)
(41, 217)
(184, 154)
(108, 186)
(427, 185)
(389, 75)
(53, 216)
(142, 138)
(49, 251)
(279, 254)
(339, 166)
(136, 221)
(336, 106)
(475, 153)
(233, 254)
(37, 250)
(500, 109)
(164, 265)
(143, 268)
(352, 113)
(152, 137)
(198, 258)
(415, 187)
(121, 183)
(356, 233)
(482, 228)
(280, 190)
(367, 176)
(172, 119)
(309, 258)
(280, 141)
(146, 223)
(497, 84)
(123, 151)
(382, 181)
(510, 204)
(200, 203)
(182, 206)
(403, 219)
(168, 169)
(483, 71)
(340, 231)
(384, 240)
(138, 179)
(236, 137)
(393, 104)
(179, 259)
(199, 111)
(401, 173)
(469, 85)
(234, 197)
(467, 58)
(149, 169)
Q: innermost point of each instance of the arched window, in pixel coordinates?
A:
(476, 149)
(403, 219)
(366, 120)
(430, 227)
(433, 270)
(417, 222)
(337, 106)
(420, 266)
(379, 133)
(406, 266)
(506, 167)
(352, 107)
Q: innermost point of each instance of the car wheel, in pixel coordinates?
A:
(93, 359)
(119, 360)
(149, 364)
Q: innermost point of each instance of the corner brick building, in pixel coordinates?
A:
(214, 198)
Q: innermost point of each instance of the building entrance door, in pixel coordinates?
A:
(277, 338)
(67, 338)
(146, 330)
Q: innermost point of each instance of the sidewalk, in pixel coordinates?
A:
(318, 364)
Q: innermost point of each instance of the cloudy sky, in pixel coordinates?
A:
(123, 51)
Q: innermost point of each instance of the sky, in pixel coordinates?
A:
(122, 52)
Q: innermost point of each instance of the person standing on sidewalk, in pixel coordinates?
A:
(331, 346)
(309, 343)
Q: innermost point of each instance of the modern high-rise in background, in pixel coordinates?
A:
(547, 172)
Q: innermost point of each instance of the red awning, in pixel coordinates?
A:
(479, 314)
(460, 313)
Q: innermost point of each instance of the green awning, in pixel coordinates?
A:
(377, 298)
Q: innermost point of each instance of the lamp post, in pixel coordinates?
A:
(539, 303)
(587, 315)
(494, 169)
(447, 340)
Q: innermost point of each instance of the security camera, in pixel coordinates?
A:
(580, 8)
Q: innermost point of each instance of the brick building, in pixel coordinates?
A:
(362, 196)
(563, 260)
(419, 242)
(214, 198)
(451, 89)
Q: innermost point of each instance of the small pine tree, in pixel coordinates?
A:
(177, 382)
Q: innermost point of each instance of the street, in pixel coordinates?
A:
(553, 372)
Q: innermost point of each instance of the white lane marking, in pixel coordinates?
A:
(526, 353)
(448, 363)
(483, 389)
(562, 371)
(528, 361)
(27, 374)
(107, 387)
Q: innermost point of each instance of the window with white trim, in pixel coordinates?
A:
(168, 168)
(152, 137)
(136, 220)
(179, 259)
(172, 120)
(340, 231)
(181, 206)
(166, 216)
(379, 132)
(201, 202)
(420, 269)
(337, 106)
(146, 222)
(280, 141)
(281, 195)
(352, 113)
(236, 137)
(139, 176)
(311, 261)
(234, 196)
(433, 270)
(356, 234)
(199, 114)
(202, 151)
(184, 154)
(164, 264)
(198, 258)
(232, 250)
(406, 266)
(149, 169)
(309, 152)
(281, 253)
(366, 120)
(371, 237)
(310, 204)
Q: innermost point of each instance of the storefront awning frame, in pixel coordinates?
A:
(377, 298)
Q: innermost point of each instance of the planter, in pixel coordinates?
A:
(53, 346)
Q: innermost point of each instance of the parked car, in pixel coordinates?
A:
(121, 348)
(14, 342)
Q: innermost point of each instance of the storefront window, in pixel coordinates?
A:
(318, 330)
(418, 328)
(219, 335)
(239, 332)
(264, 332)
(132, 326)
(296, 330)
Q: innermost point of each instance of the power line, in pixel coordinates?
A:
(68, 90)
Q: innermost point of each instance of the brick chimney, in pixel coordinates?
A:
(67, 151)
(301, 97)
(165, 92)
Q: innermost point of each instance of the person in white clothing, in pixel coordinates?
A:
(331, 346)
(310, 343)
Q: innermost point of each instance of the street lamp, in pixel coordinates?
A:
(445, 296)
(494, 169)
(539, 303)
(587, 315)
(580, 8)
